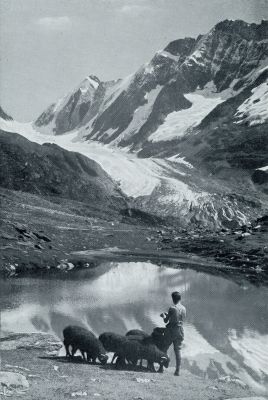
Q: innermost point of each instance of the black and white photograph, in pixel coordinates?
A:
(134, 199)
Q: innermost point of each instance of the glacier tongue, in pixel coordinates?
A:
(162, 186)
(137, 176)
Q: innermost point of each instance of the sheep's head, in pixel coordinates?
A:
(103, 359)
(165, 361)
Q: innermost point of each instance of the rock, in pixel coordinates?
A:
(7, 237)
(166, 240)
(42, 237)
(257, 227)
(142, 380)
(245, 234)
(27, 235)
(10, 269)
(62, 266)
(79, 394)
(70, 266)
(213, 387)
(13, 380)
(65, 266)
(52, 353)
(229, 379)
(27, 341)
(20, 228)
(38, 246)
(16, 367)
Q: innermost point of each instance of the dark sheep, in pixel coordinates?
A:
(137, 332)
(135, 350)
(158, 339)
(161, 340)
(140, 335)
(113, 342)
(132, 349)
(85, 341)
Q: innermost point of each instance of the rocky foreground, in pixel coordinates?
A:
(34, 367)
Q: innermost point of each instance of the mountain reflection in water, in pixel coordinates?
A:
(226, 332)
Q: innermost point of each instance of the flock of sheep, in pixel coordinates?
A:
(135, 346)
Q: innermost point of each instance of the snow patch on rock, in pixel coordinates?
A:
(178, 123)
(254, 110)
(263, 168)
(180, 160)
(167, 54)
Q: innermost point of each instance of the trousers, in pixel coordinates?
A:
(174, 335)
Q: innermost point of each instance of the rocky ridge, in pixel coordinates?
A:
(127, 112)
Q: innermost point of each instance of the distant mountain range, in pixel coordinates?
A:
(194, 119)
(174, 95)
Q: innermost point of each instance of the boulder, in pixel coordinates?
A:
(13, 380)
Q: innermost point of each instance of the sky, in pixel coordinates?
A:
(48, 46)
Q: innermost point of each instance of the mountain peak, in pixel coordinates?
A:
(90, 82)
(180, 46)
(94, 78)
(248, 31)
(128, 112)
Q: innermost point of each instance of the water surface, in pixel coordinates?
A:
(226, 332)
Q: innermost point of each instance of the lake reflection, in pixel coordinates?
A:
(226, 331)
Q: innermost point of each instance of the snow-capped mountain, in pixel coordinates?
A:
(185, 134)
(170, 96)
(69, 111)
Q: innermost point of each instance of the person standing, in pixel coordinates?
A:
(174, 332)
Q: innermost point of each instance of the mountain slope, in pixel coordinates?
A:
(167, 97)
(49, 170)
